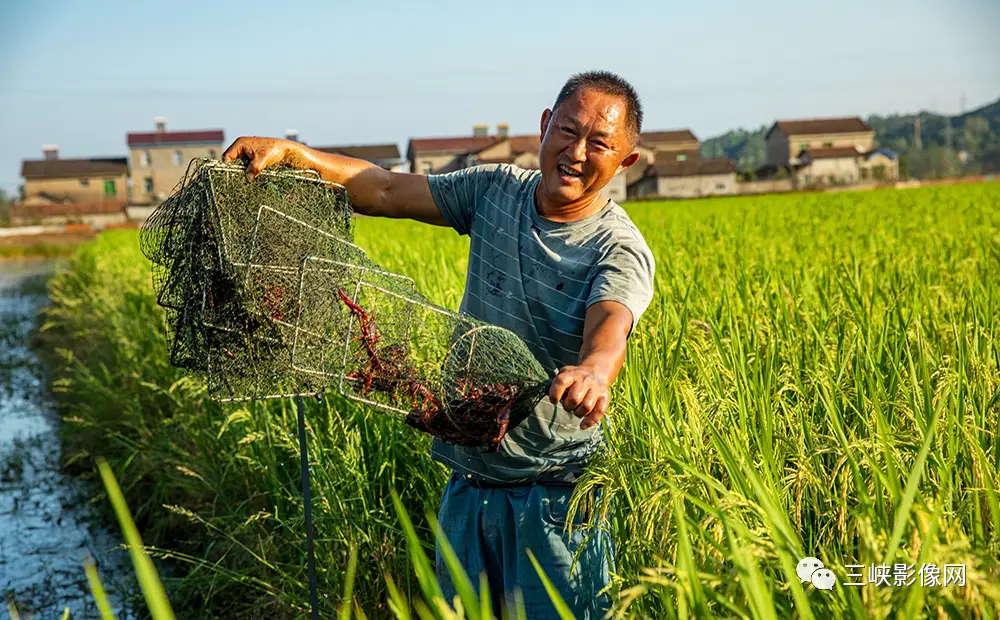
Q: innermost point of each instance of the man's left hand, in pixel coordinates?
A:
(583, 391)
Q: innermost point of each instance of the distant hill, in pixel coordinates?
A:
(975, 133)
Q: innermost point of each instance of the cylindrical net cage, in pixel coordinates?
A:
(266, 295)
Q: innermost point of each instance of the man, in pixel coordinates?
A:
(563, 267)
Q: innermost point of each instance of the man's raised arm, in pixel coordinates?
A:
(371, 189)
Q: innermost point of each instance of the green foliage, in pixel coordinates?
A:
(37, 250)
(817, 375)
(6, 202)
(748, 149)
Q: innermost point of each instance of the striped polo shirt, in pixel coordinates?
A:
(536, 278)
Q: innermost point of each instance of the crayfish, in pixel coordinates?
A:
(476, 413)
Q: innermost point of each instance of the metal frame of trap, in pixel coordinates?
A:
(299, 332)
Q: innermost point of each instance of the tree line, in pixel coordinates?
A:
(966, 144)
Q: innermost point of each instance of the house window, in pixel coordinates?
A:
(148, 184)
(828, 145)
(109, 187)
(211, 153)
(84, 182)
(720, 186)
(147, 159)
(177, 158)
(682, 157)
(427, 167)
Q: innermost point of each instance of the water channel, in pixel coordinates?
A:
(47, 524)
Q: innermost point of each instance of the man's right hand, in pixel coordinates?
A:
(261, 153)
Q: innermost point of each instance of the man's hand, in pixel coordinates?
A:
(262, 153)
(583, 391)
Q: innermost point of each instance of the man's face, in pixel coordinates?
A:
(585, 142)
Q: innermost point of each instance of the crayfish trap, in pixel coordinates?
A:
(267, 295)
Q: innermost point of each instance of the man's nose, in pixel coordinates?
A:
(578, 150)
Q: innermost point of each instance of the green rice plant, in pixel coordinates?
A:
(97, 590)
(817, 375)
(149, 581)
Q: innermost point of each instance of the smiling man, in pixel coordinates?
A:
(564, 268)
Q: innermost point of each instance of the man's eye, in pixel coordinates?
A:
(567, 130)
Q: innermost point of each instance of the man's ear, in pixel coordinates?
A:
(629, 161)
(546, 118)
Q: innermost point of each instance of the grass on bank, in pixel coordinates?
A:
(817, 375)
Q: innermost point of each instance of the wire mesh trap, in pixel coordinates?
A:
(267, 295)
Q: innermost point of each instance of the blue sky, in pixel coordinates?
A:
(82, 74)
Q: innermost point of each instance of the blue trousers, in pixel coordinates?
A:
(490, 528)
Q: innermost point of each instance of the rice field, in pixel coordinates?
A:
(818, 375)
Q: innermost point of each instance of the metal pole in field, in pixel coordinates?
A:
(307, 504)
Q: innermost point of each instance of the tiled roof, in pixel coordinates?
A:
(369, 152)
(73, 168)
(450, 145)
(882, 151)
(691, 168)
(525, 144)
(518, 144)
(816, 126)
(675, 135)
(832, 152)
(154, 138)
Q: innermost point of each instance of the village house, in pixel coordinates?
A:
(521, 151)
(383, 155)
(686, 179)
(675, 145)
(60, 190)
(160, 158)
(831, 151)
(53, 180)
(428, 155)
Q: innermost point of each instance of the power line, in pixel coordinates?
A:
(322, 94)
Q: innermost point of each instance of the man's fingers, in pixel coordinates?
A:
(235, 150)
(575, 396)
(600, 408)
(255, 167)
(559, 386)
(586, 405)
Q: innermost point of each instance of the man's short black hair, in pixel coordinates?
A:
(609, 84)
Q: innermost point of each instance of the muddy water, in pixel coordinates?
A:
(47, 526)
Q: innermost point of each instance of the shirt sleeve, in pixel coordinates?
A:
(625, 275)
(458, 194)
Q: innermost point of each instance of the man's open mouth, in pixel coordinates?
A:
(566, 171)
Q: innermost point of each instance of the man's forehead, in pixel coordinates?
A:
(594, 107)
